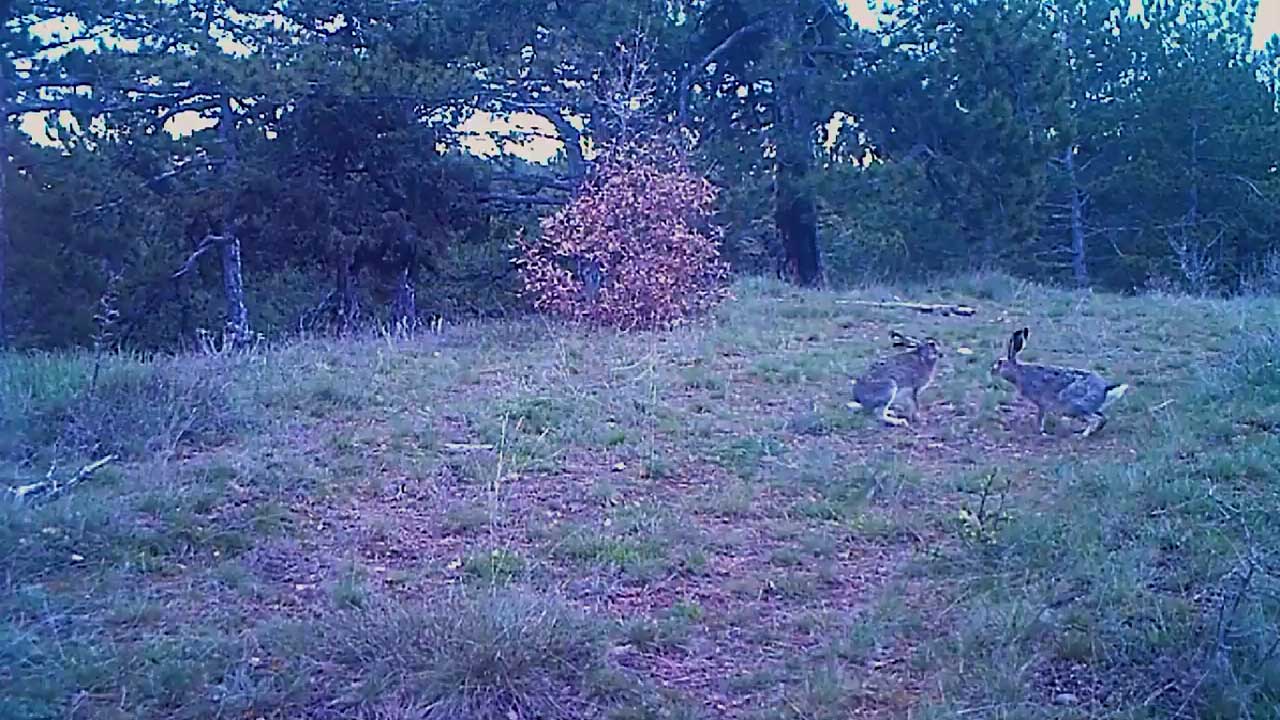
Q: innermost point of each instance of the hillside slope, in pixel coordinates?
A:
(515, 520)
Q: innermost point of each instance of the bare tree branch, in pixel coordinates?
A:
(178, 110)
(1252, 186)
(30, 84)
(209, 241)
(200, 161)
(839, 51)
(94, 34)
(50, 488)
(686, 83)
(516, 199)
(927, 308)
(566, 184)
(72, 103)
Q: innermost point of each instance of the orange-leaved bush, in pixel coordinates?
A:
(636, 248)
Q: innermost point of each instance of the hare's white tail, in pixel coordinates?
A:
(1114, 393)
(853, 404)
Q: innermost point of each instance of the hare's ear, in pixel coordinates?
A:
(1017, 343)
(900, 340)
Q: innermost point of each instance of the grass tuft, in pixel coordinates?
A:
(493, 655)
(56, 409)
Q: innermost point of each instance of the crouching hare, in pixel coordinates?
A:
(903, 374)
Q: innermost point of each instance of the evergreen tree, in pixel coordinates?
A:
(772, 75)
(977, 97)
(1194, 193)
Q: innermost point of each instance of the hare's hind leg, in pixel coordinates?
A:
(856, 403)
(892, 419)
(876, 397)
(884, 409)
(1097, 421)
(1042, 419)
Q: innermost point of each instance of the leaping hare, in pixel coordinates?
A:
(913, 370)
(1060, 390)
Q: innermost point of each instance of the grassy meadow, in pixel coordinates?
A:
(520, 520)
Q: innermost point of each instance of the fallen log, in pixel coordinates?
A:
(466, 447)
(50, 488)
(944, 309)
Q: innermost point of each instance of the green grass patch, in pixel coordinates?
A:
(385, 527)
(477, 656)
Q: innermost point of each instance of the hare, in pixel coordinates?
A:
(911, 370)
(1060, 390)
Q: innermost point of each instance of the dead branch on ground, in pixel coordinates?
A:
(944, 309)
(50, 488)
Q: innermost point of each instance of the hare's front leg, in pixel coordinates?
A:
(1042, 419)
(915, 404)
(1097, 422)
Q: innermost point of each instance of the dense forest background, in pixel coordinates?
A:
(234, 168)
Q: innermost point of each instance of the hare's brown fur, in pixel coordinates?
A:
(903, 374)
(1072, 392)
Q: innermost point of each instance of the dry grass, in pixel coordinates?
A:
(662, 525)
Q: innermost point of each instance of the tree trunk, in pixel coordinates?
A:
(238, 332)
(988, 241)
(795, 208)
(572, 140)
(4, 228)
(185, 329)
(592, 276)
(1193, 192)
(348, 310)
(1079, 265)
(587, 270)
(796, 216)
(406, 302)
(1194, 256)
(4, 217)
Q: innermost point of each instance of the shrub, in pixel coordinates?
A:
(1264, 278)
(500, 655)
(134, 407)
(1246, 380)
(637, 248)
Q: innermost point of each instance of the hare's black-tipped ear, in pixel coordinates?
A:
(900, 340)
(1017, 342)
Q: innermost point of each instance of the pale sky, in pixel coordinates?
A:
(532, 137)
(1267, 23)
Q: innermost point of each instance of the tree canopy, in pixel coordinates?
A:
(260, 166)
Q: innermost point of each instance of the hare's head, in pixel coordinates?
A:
(927, 349)
(1004, 366)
